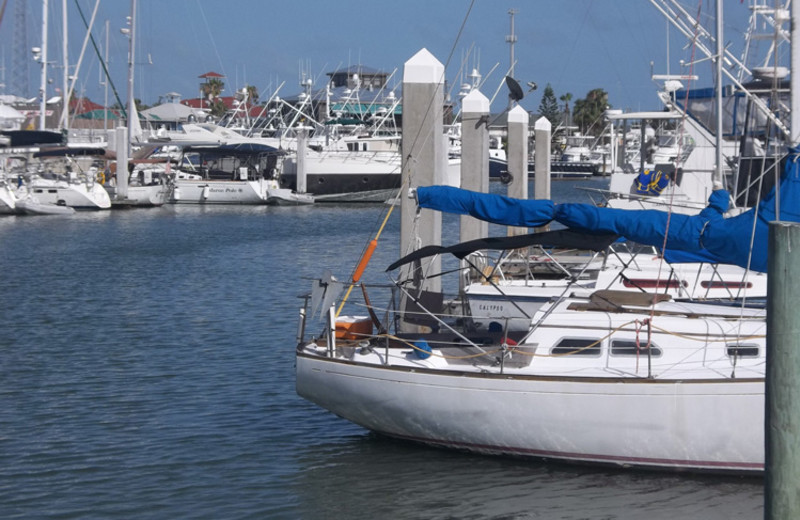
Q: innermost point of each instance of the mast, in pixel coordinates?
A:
(794, 88)
(43, 58)
(105, 85)
(511, 39)
(717, 177)
(132, 113)
(64, 60)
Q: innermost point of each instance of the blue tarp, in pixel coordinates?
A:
(705, 237)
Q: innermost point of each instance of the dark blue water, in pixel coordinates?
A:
(147, 371)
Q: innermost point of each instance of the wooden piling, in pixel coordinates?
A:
(782, 392)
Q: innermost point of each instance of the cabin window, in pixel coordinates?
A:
(742, 351)
(578, 347)
(647, 283)
(629, 348)
(721, 284)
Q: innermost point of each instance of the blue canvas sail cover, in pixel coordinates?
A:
(707, 235)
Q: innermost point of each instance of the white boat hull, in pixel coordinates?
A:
(7, 200)
(30, 206)
(155, 195)
(82, 196)
(208, 191)
(286, 197)
(669, 424)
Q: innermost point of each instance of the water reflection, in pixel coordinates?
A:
(373, 476)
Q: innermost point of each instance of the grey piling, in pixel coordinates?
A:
(518, 131)
(302, 148)
(122, 163)
(782, 387)
(423, 156)
(474, 158)
(541, 182)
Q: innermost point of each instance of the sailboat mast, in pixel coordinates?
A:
(64, 60)
(43, 57)
(794, 87)
(105, 86)
(131, 60)
(717, 178)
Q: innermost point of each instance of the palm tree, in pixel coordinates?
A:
(566, 98)
(212, 88)
(590, 110)
(252, 94)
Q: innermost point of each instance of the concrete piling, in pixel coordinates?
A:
(517, 153)
(474, 158)
(423, 156)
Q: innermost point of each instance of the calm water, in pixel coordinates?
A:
(147, 371)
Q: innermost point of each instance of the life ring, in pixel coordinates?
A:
(101, 177)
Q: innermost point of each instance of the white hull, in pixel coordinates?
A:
(30, 206)
(286, 197)
(581, 388)
(514, 301)
(84, 196)
(221, 192)
(692, 425)
(156, 195)
(7, 200)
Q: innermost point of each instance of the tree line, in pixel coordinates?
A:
(586, 114)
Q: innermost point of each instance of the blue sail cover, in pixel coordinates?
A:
(497, 209)
(706, 236)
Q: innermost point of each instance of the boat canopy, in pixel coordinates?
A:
(74, 151)
(33, 137)
(562, 238)
(235, 149)
(708, 236)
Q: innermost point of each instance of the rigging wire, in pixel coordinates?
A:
(368, 247)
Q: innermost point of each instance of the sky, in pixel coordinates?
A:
(573, 45)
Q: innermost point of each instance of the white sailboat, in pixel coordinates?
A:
(136, 186)
(8, 199)
(614, 376)
(629, 378)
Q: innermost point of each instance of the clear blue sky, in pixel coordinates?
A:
(575, 45)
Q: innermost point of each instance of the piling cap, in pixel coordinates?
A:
(475, 103)
(423, 67)
(518, 115)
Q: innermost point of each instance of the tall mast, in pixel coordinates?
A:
(43, 57)
(132, 113)
(795, 83)
(511, 39)
(717, 177)
(65, 62)
(105, 85)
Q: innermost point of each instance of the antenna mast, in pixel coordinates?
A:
(511, 39)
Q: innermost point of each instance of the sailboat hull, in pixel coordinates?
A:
(81, 196)
(698, 425)
(208, 191)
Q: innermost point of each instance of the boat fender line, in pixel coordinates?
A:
(362, 265)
